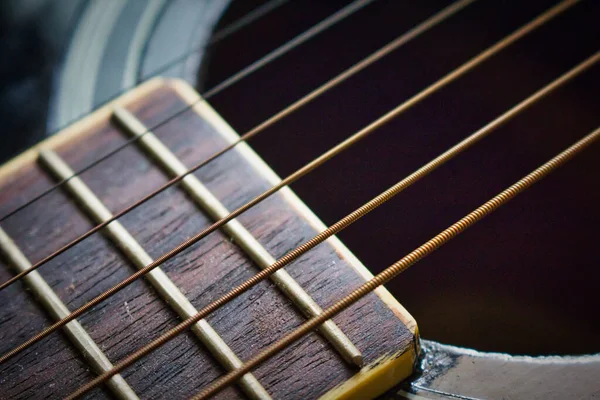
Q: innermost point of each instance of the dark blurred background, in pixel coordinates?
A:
(523, 281)
(32, 34)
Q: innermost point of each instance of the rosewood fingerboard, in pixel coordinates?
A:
(380, 328)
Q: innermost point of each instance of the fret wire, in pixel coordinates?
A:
(364, 63)
(404, 263)
(323, 25)
(535, 23)
(355, 215)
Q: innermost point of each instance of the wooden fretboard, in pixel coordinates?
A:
(379, 327)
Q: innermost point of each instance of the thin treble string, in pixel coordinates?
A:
(278, 52)
(348, 220)
(400, 266)
(540, 20)
(377, 55)
(298, 40)
(223, 33)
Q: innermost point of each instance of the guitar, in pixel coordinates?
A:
(155, 247)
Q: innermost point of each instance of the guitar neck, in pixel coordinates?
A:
(377, 329)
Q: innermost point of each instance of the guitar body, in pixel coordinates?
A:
(522, 283)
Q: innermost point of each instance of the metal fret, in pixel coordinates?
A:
(157, 278)
(234, 229)
(58, 310)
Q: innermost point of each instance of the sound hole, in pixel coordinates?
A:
(524, 280)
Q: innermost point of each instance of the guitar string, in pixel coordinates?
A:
(401, 265)
(350, 218)
(297, 41)
(463, 69)
(353, 70)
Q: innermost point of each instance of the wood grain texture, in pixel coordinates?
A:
(136, 315)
